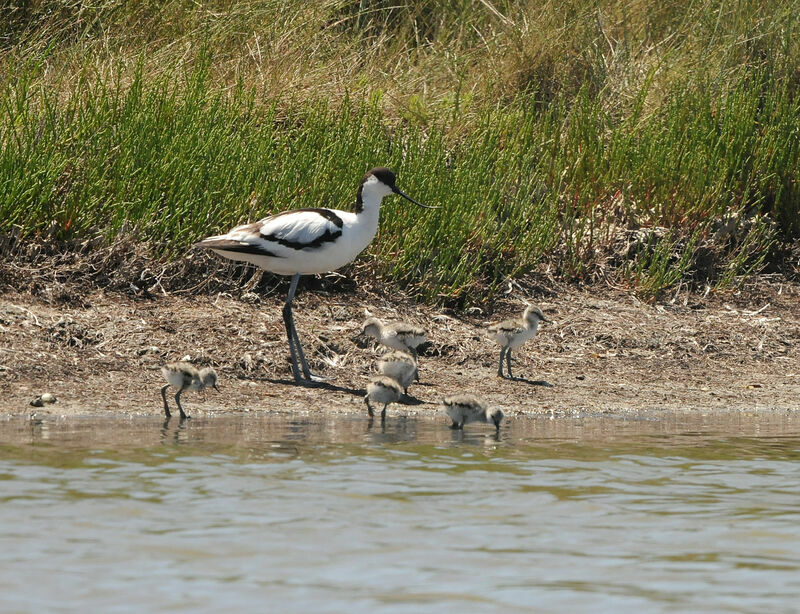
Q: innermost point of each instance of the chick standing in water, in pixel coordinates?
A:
(466, 408)
(382, 389)
(511, 334)
(182, 375)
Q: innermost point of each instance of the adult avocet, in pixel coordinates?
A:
(511, 334)
(307, 242)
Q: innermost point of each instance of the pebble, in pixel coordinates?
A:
(148, 350)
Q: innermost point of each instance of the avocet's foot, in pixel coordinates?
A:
(312, 380)
(304, 376)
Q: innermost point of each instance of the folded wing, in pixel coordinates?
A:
(280, 235)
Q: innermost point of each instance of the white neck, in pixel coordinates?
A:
(367, 220)
(372, 193)
(371, 202)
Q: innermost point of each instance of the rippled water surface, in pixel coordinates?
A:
(674, 513)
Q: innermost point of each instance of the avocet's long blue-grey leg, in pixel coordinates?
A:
(502, 355)
(288, 322)
(295, 348)
(306, 371)
(508, 363)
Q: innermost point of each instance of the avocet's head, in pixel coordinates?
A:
(496, 416)
(372, 327)
(533, 315)
(380, 182)
(209, 378)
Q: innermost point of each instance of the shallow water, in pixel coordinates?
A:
(675, 513)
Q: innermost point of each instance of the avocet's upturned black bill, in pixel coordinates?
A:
(308, 242)
(386, 176)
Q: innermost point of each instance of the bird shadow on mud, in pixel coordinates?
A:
(359, 392)
(530, 382)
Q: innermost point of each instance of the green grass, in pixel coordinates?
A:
(547, 133)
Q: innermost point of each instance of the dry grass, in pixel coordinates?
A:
(420, 58)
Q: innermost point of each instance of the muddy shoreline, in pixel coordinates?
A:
(606, 351)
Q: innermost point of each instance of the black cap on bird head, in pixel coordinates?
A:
(382, 174)
(387, 177)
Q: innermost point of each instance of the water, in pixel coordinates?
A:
(675, 513)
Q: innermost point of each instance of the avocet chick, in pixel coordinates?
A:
(466, 408)
(511, 334)
(382, 389)
(400, 366)
(182, 375)
(398, 335)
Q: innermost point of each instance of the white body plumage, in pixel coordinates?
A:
(305, 241)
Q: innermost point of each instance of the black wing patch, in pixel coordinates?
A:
(237, 247)
(326, 237)
(326, 213)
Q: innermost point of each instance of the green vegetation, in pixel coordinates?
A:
(651, 143)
